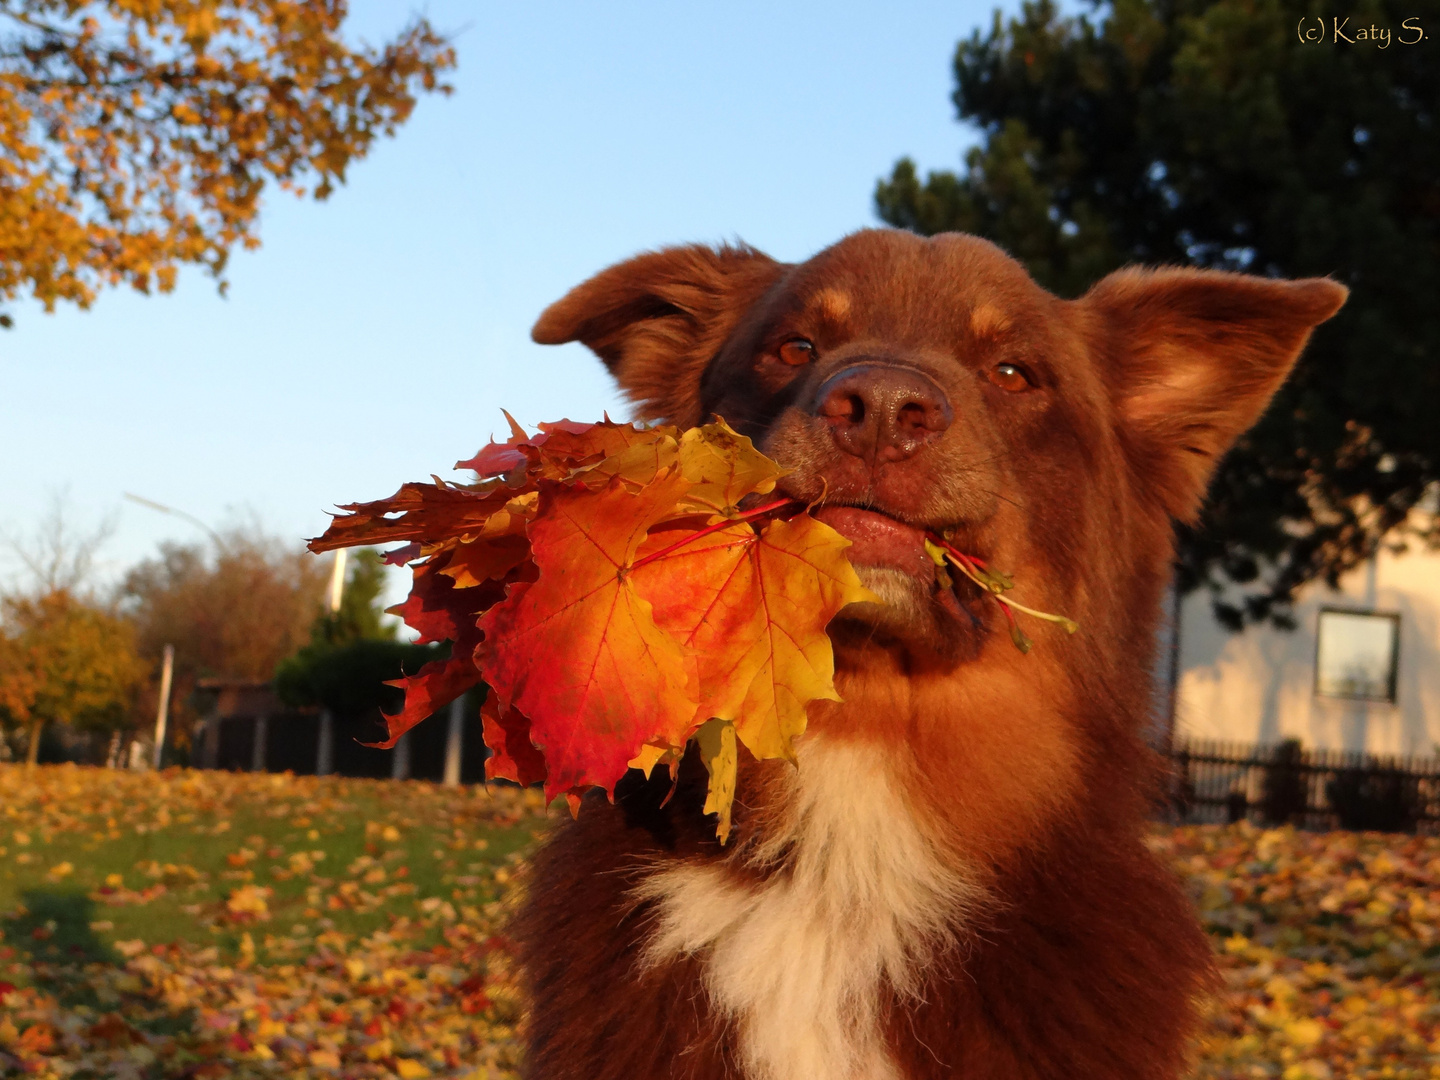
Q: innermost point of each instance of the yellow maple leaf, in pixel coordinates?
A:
(723, 466)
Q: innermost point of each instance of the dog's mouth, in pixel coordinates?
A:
(916, 602)
(889, 555)
(877, 539)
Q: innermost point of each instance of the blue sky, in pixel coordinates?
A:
(374, 338)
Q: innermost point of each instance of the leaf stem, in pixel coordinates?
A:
(969, 565)
(1070, 625)
(1016, 634)
(759, 511)
(975, 569)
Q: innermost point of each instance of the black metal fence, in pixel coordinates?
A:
(1216, 783)
(291, 743)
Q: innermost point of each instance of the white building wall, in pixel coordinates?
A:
(1258, 686)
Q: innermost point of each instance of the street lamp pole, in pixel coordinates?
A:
(337, 581)
(325, 742)
(167, 668)
(162, 715)
(162, 508)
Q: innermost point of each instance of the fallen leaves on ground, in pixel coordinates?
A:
(1329, 946)
(374, 1006)
(216, 925)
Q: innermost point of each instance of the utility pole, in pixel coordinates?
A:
(337, 581)
(454, 741)
(325, 745)
(162, 715)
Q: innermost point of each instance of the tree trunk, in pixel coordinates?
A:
(32, 755)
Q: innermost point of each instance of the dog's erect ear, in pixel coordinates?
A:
(658, 319)
(1192, 357)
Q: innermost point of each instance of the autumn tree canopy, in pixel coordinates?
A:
(65, 654)
(1214, 133)
(232, 609)
(139, 135)
(65, 660)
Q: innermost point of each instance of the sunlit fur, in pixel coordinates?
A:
(952, 883)
(796, 964)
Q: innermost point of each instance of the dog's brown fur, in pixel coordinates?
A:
(1048, 942)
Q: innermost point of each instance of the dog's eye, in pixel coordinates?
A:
(1009, 377)
(797, 351)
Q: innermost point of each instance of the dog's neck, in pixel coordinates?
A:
(855, 868)
(840, 896)
(983, 751)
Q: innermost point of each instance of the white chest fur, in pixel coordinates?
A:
(796, 964)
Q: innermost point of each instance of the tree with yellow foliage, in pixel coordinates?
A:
(65, 660)
(139, 135)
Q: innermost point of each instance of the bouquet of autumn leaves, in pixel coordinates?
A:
(604, 581)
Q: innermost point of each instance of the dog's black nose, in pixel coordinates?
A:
(882, 412)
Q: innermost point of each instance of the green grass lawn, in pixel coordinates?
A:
(158, 858)
(291, 897)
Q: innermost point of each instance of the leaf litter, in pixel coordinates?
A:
(363, 963)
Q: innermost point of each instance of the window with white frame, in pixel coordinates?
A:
(1356, 655)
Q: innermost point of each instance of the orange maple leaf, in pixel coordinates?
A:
(440, 610)
(577, 651)
(751, 608)
(610, 589)
(558, 449)
(430, 689)
(724, 467)
(473, 563)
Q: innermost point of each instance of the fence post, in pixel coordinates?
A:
(325, 749)
(454, 740)
(257, 746)
(400, 761)
(211, 749)
(1174, 606)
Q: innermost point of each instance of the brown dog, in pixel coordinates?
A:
(953, 882)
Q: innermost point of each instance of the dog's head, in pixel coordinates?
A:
(929, 384)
